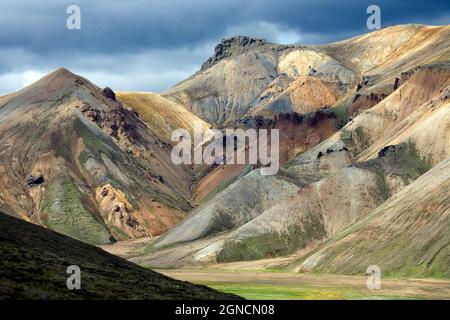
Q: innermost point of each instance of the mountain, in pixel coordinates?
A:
(388, 92)
(249, 75)
(34, 261)
(75, 159)
(363, 123)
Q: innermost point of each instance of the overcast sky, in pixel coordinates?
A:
(152, 45)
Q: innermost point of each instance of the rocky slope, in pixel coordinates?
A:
(74, 159)
(252, 76)
(392, 101)
(407, 235)
(360, 120)
(34, 261)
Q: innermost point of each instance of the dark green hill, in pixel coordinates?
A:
(34, 260)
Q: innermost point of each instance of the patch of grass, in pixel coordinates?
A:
(341, 112)
(67, 214)
(274, 245)
(254, 291)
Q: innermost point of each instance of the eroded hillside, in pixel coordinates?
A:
(363, 124)
(76, 160)
(389, 94)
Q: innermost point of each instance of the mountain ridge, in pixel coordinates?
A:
(397, 131)
(360, 121)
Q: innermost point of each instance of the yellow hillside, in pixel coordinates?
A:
(161, 114)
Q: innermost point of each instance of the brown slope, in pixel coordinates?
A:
(417, 111)
(106, 174)
(297, 133)
(304, 95)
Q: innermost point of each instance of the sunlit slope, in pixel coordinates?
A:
(161, 114)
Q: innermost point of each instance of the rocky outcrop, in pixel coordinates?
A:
(230, 47)
(32, 181)
(107, 92)
(116, 121)
(118, 214)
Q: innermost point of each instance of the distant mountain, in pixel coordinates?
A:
(389, 92)
(252, 76)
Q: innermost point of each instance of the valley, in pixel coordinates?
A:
(282, 285)
(362, 169)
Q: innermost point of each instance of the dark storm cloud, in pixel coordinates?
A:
(150, 45)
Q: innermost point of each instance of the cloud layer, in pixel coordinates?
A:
(152, 45)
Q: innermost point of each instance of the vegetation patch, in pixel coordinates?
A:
(67, 214)
(273, 244)
(341, 112)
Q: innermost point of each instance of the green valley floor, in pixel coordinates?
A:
(276, 284)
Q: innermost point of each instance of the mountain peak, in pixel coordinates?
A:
(63, 75)
(232, 46)
(61, 71)
(53, 86)
(241, 41)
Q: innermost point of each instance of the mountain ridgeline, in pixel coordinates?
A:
(364, 146)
